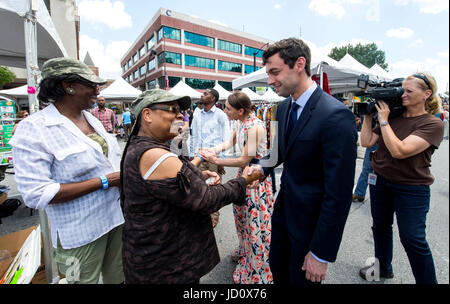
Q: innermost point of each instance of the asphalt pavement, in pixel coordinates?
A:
(357, 243)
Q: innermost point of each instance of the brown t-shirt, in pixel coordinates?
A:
(414, 170)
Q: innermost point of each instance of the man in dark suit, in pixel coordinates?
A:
(317, 146)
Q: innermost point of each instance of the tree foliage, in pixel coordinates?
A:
(6, 76)
(367, 54)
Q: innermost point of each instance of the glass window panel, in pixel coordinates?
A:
(226, 85)
(201, 84)
(150, 43)
(152, 64)
(151, 84)
(229, 66)
(250, 50)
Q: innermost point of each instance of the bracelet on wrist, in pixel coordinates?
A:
(104, 180)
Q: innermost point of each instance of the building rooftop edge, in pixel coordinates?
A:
(195, 20)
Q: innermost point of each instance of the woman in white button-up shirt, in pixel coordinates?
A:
(68, 165)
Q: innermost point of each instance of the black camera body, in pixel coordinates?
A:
(389, 92)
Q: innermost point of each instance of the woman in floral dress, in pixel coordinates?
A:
(253, 220)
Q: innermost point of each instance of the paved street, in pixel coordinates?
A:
(357, 243)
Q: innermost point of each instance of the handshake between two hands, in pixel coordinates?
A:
(253, 175)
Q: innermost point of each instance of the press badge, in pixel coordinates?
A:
(372, 179)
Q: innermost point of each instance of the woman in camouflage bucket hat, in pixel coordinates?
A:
(168, 237)
(67, 164)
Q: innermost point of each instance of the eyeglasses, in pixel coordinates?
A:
(174, 109)
(93, 85)
(424, 78)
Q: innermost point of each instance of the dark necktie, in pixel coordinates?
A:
(292, 119)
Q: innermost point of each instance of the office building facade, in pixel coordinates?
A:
(176, 47)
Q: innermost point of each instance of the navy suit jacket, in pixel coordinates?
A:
(319, 160)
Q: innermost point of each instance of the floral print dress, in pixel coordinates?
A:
(253, 220)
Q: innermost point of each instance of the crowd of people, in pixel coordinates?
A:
(147, 214)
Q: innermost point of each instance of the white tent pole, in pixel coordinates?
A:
(31, 55)
(32, 72)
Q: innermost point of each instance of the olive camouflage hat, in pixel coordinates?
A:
(154, 96)
(65, 66)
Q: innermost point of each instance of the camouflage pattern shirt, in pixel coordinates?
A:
(168, 236)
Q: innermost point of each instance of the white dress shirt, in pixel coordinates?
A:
(49, 150)
(209, 129)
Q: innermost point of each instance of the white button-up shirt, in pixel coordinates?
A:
(48, 150)
(209, 129)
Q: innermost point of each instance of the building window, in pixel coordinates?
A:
(173, 81)
(249, 69)
(229, 46)
(135, 58)
(142, 51)
(226, 85)
(250, 51)
(124, 68)
(198, 39)
(151, 64)
(169, 32)
(129, 63)
(199, 62)
(174, 58)
(151, 84)
(201, 84)
(136, 74)
(229, 66)
(142, 70)
(150, 43)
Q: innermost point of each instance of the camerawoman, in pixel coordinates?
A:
(401, 179)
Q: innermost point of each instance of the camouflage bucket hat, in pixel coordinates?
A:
(154, 96)
(64, 66)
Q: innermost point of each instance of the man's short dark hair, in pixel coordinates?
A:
(214, 93)
(290, 50)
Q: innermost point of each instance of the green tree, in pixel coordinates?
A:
(6, 76)
(367, 54)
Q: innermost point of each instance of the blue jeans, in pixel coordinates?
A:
(361, 186)
(410, 205)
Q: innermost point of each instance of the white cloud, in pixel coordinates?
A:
(328, 7)
(218, 22)
(443, 54)
(438, 69)
(401, 33)
(416, 43)
(107, 59)
(427, 6)
(105, 12)
(338, 8)
(277, 6)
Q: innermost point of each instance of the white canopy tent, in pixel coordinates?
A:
(120, 90)
(271, 96)
(182, 89)
(340, 77)
(223, 94)
(381, 73)
(252, 95)
(27, 39)
(19, 95)
(12, 34)
(19, 92)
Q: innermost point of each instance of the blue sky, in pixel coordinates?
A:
(413, 33)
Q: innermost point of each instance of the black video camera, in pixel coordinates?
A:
(389, 92)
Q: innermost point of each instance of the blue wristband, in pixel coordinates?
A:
(104, 180)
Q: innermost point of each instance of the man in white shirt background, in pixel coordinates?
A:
(210, 127)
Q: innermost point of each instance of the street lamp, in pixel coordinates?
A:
(254, 56)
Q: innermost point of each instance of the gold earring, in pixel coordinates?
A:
(70, 91)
